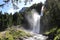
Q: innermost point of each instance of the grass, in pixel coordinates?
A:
(13, 34)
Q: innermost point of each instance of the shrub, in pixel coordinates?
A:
(13, 34)
(54, 34)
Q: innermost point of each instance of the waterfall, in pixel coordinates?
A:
(33, 19)
(36, 20)
(42, 11)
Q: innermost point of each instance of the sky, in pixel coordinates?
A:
(9, 8)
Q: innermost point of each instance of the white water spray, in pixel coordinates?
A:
(33, 19)
(36, 20)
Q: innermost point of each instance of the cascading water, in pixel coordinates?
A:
(36, 20)
(33, 19)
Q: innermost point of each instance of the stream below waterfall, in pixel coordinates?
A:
(37, 37)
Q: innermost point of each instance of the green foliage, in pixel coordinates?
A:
(13, 34)
(52, 14)
(51, 31)
(1, 36)
(17, 18)
(55, 32)
(7, 20)
(3, 21)
(10, 20)
(9, 36)
(57, 37)
(18, 33)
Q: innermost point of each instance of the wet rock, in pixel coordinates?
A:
(20, 38)
(37, 37)
(26, 37)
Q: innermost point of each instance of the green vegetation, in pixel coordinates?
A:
(52, 12)
(50, 20)
(13, 34)
(7, 20)
(18, 18)
(52, 15)
(54, 34)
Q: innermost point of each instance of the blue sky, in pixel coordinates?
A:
(9, 8)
